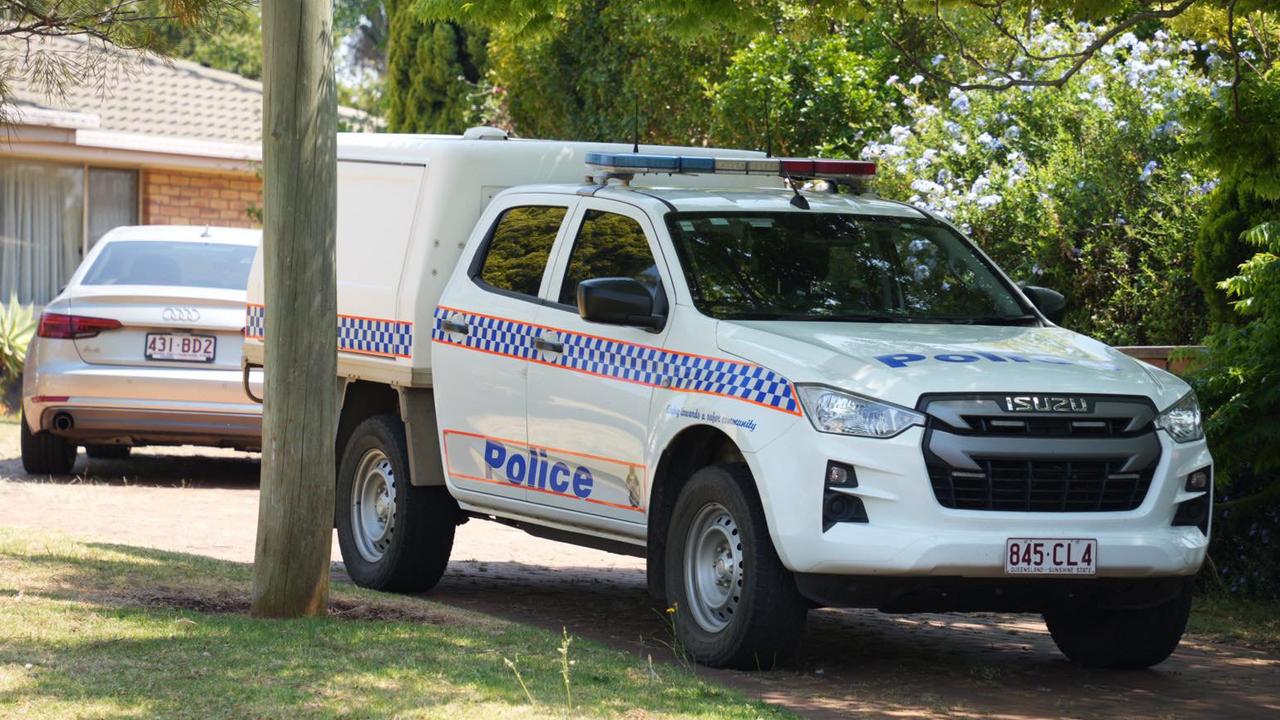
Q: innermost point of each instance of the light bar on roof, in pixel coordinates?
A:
(799, 168)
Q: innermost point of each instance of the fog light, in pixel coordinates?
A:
(841, 474)
(1198, 481)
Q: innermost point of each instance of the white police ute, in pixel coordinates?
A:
(779, 389)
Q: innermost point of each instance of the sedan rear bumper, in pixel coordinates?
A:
(140, 425)
(149, 426)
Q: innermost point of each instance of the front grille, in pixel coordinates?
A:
(983, 455)
(1048, 426)
(1040, 486)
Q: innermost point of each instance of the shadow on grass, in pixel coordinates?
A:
(109, 631)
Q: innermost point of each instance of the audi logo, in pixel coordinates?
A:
(180, 314)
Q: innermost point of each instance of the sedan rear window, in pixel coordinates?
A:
(182, 264)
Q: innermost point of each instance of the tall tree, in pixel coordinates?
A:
(564, 82)
(299, 126)
(435, 74)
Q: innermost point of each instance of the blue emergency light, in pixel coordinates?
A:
(797, 168)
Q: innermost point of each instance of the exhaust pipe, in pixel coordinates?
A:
(63, 421)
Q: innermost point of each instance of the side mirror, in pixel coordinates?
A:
(1049, 302)
(618, 301)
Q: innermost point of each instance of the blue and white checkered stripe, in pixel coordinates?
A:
(255, 321)
(391, 338)
(622, 361)
(368, 336)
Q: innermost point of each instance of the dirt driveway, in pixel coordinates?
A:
(853, 663)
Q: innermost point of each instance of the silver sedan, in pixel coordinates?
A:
(143, 348)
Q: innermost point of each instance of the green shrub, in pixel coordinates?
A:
(1239, 386)
(1240, 390)
(815, 96)
(17, 326)
(586, 73)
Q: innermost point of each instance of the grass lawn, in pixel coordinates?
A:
(110, 631)
(1234, 620)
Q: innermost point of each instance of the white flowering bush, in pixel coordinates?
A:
(1083, 188)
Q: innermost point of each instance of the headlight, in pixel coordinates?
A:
(1182, 419)
(842, 413)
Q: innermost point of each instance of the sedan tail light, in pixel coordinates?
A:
(67, 327)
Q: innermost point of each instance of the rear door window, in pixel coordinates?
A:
(519, 247)
(219, 266)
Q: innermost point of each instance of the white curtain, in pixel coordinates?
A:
(41, 227)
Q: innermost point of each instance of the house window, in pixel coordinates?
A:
(41, 227)
(113, 200)
(43, 231)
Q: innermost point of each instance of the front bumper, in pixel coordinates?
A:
(908, 533)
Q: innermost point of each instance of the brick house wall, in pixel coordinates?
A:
(176, 197)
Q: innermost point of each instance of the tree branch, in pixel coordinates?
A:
(1007, 80)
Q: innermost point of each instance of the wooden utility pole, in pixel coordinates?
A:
(299, 153)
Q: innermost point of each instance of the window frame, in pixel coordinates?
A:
(570, 237)
(88, 243)
(482, 251)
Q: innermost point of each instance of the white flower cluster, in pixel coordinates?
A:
(960, 158)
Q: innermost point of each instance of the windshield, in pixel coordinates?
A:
(183, 264)
(837, 266)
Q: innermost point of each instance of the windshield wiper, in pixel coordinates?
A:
(881, 318)
(809, 317)
(988, 320)
(858, 317)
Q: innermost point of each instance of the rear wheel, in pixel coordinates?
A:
(1126, 639)
(394, 536)
(735, 604)
(45, 453)
(107, 452)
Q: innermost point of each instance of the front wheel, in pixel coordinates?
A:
(394, 536)
(1126, 639)
(735, 604)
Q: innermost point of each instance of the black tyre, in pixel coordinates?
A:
(393, 536)
(45, 453)
(1126, 639)
(107, 452)
(735, 604)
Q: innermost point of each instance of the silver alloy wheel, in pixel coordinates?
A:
(713, 567)
(373, 505)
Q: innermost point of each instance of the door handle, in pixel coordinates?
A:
(550, 346)
(454, 326)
